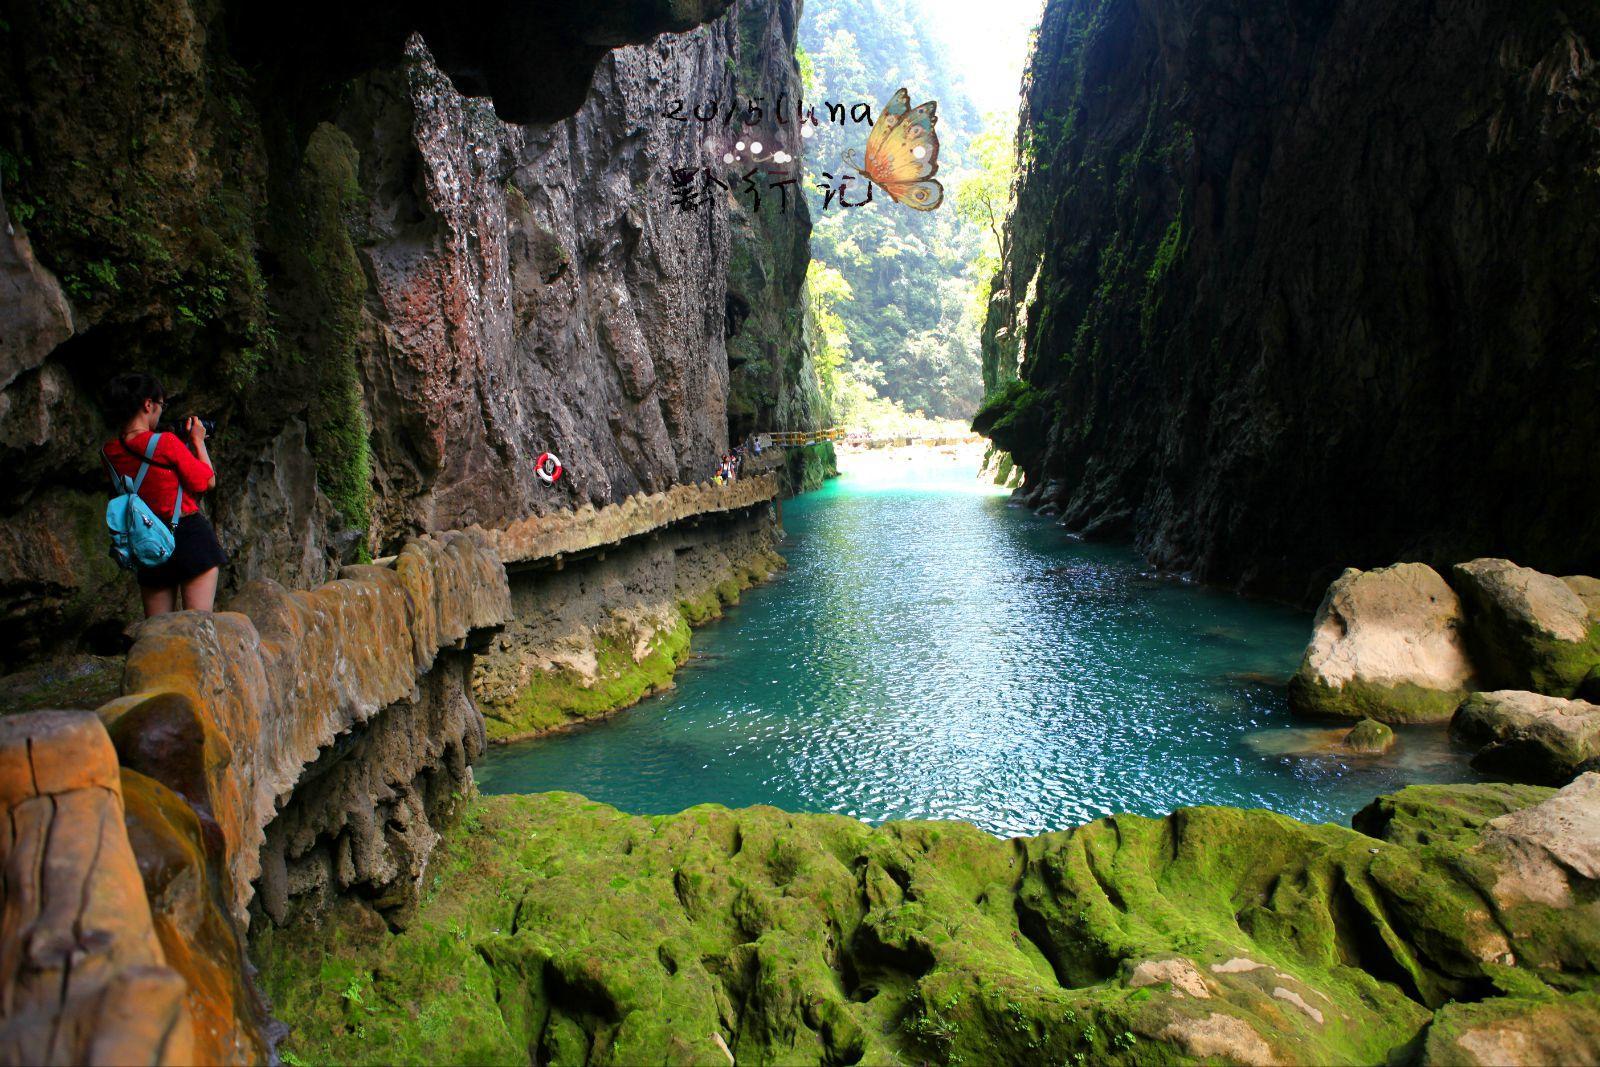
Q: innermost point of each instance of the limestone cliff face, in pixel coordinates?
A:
(773, 381)
(1297, 289)
(391, 298)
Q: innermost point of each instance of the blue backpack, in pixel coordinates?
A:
(138, 538)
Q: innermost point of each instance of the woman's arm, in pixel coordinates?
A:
(195, 472)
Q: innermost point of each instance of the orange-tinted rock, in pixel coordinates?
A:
(190, 912)
(228, 709)
(83, 977)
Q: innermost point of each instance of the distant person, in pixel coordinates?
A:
(136, 403)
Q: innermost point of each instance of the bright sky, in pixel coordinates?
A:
(988, 44)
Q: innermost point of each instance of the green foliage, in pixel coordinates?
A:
(982, 198)
(914, 276)
(808, 71)
(1015, 404)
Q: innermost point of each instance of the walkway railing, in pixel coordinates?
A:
(802, 437)
(841, 433)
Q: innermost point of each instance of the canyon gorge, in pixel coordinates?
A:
(1301, 303)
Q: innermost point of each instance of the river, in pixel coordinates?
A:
(933, 652)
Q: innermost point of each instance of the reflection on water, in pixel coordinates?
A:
(932, 652)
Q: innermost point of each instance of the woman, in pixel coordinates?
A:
(136, 402)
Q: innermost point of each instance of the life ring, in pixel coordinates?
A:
(547, 467)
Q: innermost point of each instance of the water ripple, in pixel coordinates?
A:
(933, 653)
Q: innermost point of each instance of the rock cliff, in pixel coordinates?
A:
(391, 297)
(1298, 288)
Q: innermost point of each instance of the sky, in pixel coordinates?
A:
(988, 44)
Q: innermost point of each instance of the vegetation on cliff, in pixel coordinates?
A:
(560, 930)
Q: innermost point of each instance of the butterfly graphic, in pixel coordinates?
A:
(903, 153)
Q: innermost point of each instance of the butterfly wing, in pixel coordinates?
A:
(903, 153)
(889, 120)
(924, 195)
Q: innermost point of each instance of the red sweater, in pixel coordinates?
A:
(160, 486)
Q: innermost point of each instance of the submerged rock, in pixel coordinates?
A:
(556, 928)
(1529, 630)
(1369, 738)
(1386, 645)
(1530, 737)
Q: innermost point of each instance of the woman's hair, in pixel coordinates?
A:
(126, 394)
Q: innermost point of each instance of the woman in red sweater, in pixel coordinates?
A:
(137, 401)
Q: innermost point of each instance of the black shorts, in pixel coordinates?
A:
(195, 552)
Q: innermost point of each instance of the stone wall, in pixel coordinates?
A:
(229, 709)
(83, 974)
(604, 630)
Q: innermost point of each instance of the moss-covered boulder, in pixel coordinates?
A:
(1386, 644)
(1369, 738)
(560, 930)
(1529, 737)
(626, 662)
(1528, 630)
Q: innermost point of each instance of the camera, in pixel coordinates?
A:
(209, 424)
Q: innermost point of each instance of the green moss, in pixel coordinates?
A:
(1014, 417)
(561, 696)
(338, 420)
(1559, 668)
(701, 609)
(1369, 736)
(808, 466)
(80, 681)
(1358, 699)
(817, 938)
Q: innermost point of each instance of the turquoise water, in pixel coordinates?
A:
(932, 652)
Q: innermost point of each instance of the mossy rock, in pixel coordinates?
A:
(1528, 630)
(1369, 738)
(1386, 644)
(79, 682)
(807, 467)
(1516, 1030)
(559, 697)
(1359, 699)
(556, 929)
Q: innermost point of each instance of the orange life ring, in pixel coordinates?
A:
(547, 467)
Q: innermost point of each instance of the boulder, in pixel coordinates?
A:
(1529, 737)
(1515, 1030)
(1549, 853)
(1530, 630)
(1387, 645)
(1369, 738)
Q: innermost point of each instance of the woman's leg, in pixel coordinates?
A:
(200, 592)
(158, 600)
